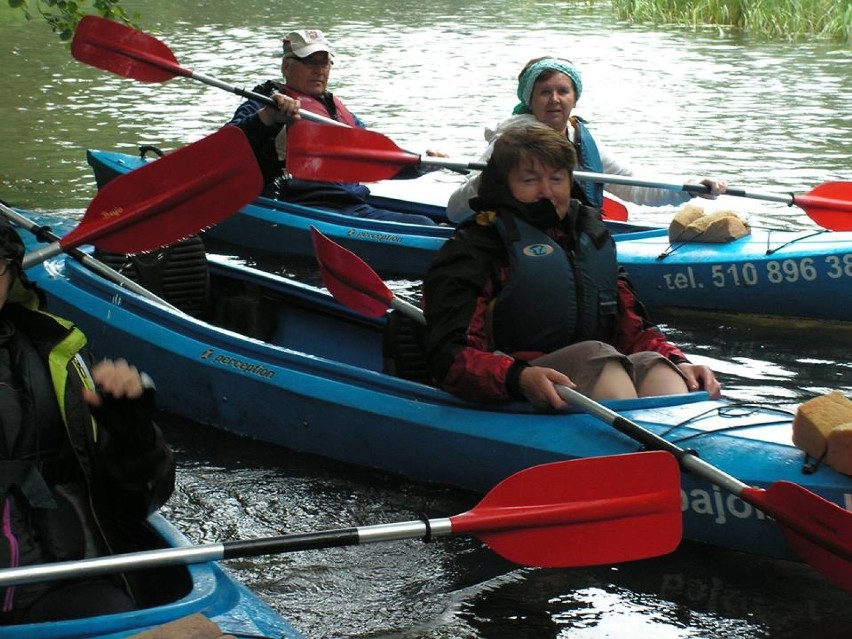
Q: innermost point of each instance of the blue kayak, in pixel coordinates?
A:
(803, 273)
(799, 273)
(281, 229)
(284, 363)
(174, 593)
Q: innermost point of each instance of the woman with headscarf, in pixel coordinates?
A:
(548, 90)
(528, 293)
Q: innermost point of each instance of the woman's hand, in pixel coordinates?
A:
(716, 188)
(537, 385)
(117, 379)
(701, 377)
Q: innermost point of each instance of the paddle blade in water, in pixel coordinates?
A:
(349, 279)
(583, 512)
(123, 50)
(817, 529)
(829, 205)
(173, 197)
(318, 152)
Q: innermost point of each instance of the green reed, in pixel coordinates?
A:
(785, 18)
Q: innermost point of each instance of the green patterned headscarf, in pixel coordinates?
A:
(527, 81)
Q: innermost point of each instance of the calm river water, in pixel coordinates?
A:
(764, 115)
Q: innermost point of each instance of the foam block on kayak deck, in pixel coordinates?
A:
(192, 627)
(692, 224)
(814, 422)
(839, 455)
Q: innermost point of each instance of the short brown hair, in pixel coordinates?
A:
(520, 143)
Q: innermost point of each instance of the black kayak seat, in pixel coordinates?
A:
(402, 349)
(178, 273)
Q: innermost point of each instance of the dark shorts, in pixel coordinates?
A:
(583, 362)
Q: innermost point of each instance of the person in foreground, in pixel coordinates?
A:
(308, 58)
(548, 90)
(528, 293)
(82, 462)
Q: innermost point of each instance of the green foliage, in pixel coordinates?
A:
(785, 18)
(63, 15)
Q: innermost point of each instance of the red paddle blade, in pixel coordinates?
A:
(123, 50)
(829, 205)
(613, 210)
(817, 529)
(583, 512)
(316, 152)
(349, 279)
(173, 197)
(335, 154)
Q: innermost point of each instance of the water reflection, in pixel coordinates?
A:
(770, 358)
(696, 592)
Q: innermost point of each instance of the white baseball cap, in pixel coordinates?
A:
(303, 43)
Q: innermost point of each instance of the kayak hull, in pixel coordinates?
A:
(802, 273)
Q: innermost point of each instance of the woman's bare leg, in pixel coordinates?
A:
(661, 379)
(613, 383)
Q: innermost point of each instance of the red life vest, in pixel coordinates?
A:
(314, 105)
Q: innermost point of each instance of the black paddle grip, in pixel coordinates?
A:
(645, 437)
(290, 543)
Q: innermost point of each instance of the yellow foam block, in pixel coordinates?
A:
(816, 418)
(839, 455)
(691, 224)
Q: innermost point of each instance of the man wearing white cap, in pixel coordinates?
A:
(308, 58)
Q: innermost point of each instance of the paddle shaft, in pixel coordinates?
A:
(251, 95)
(44, 233)
(689, 461)
(697, 189)
(811, 203)
(408, 309)
(220, 551)
(606, 178)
